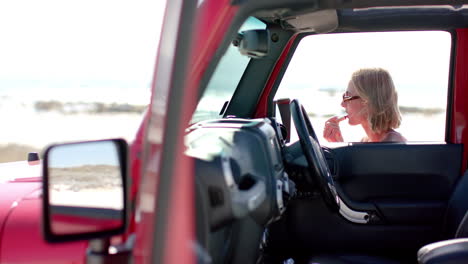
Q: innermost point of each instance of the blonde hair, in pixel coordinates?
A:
(375, 85)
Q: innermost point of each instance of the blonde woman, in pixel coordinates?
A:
(372, 102)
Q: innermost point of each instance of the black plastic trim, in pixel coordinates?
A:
(451, 87)
(249, 90)
(401, 19)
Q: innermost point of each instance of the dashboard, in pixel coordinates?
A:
(240, 178)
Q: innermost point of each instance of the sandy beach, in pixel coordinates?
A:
(89, 186)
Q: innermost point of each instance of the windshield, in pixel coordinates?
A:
(224, 81)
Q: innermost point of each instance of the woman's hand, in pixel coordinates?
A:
(331, 131)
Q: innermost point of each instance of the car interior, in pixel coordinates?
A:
(263, 198)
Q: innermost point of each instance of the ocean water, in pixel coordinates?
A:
(42, 129)
(22, 124)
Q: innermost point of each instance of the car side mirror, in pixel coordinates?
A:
(253, 43)
(85, 190)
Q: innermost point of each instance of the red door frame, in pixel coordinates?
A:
(213, 17)
(459, 129)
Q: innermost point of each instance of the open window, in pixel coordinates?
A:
(418, 61)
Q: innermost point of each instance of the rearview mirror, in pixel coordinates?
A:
(85, 194)
(253, 43)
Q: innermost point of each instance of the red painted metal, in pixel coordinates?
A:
(213, 20)
(9, 201)
(459, 122)
(262, 106)
(145, 215)
(136, 155)
(135, 158)
(23, 241)
(20, 214)
(67, 224)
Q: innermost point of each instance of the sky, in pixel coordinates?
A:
(88, 43)
(91, 153)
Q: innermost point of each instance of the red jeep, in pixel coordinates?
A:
(222, 174)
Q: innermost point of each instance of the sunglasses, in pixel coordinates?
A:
(347, 98)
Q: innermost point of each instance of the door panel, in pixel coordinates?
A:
(408, 186)
(380, 171)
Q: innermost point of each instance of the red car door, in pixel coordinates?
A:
(165, 204)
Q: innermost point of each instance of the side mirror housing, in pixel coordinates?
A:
(85, 190)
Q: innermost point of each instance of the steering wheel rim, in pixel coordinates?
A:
(317, 164)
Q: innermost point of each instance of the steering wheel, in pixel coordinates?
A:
(317, 164)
